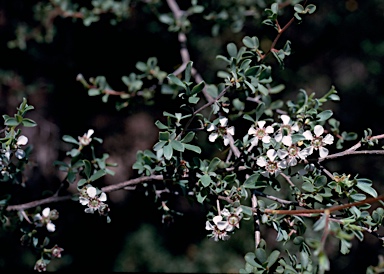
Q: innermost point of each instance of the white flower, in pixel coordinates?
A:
(234, 218)
(317, 141)
(270, 164)
(221, 130)
(45, 219)
(261, 133)
(93, 200)
(292, 153)
(285, 132)
(86, 138)
(219, 228)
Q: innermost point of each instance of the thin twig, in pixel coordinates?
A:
(110, 188)
(256, 219)
(330, 209)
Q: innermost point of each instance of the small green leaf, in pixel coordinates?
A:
(176, 80)
(187, 71)
(193, 100)
(200, 198)
(298, 8)
(70, 139)
(193, 148)
(28, 122)
(310, 8)
(97, 175)
(94, 92)
(177, 145)
(247, 210)
(81, 182)
(250, 258)
(205, 180)
(358, 197)
(324, 115)
(196, 89)
(160, 125)
(273, 258)
(262, 89)
(213, 164)
(11, 122)
(252, 43)
(164, 136)
(168, 151)
(140, 66)
(74, 152)
(159, 145)
(250, 182)
(87, 168)
(261, 255)
(232, 50)
(189, 137)
(365, 185)
(320, 223)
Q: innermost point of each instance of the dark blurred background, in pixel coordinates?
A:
(341, 44)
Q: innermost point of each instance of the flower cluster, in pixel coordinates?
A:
(45, 219)
(94, 199)
(224, 223)
(282, 150)
(6, 153)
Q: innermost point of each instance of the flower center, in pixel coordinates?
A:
(94, 203)
(317, 142)
(271, 166)
(233, 220)
(260, 133)
(292, 151)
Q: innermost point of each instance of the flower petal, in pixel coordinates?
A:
(261, 162)
(282, 153)
(318, 130)
(46, 212)
(223, 121)
(217, 219)
(271, 153)
(213, 136)
(285, 119)
(211, 127)
(83, 201)
(269, 129)
(231, 130)
(266, 139)
(308, 135)
(90, 132)
(22, 140)
(287, 140)
(51, 227)
(208, 226)
(328, 139)
(222, 225)
(103, 197)
(261, 124)
(251, 131)
(323, 152)
(91, 191)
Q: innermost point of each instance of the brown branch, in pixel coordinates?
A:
(256, 218)
(353, 150)
(280, 31)
(323, 210)
(184, 53)
(110, 188)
